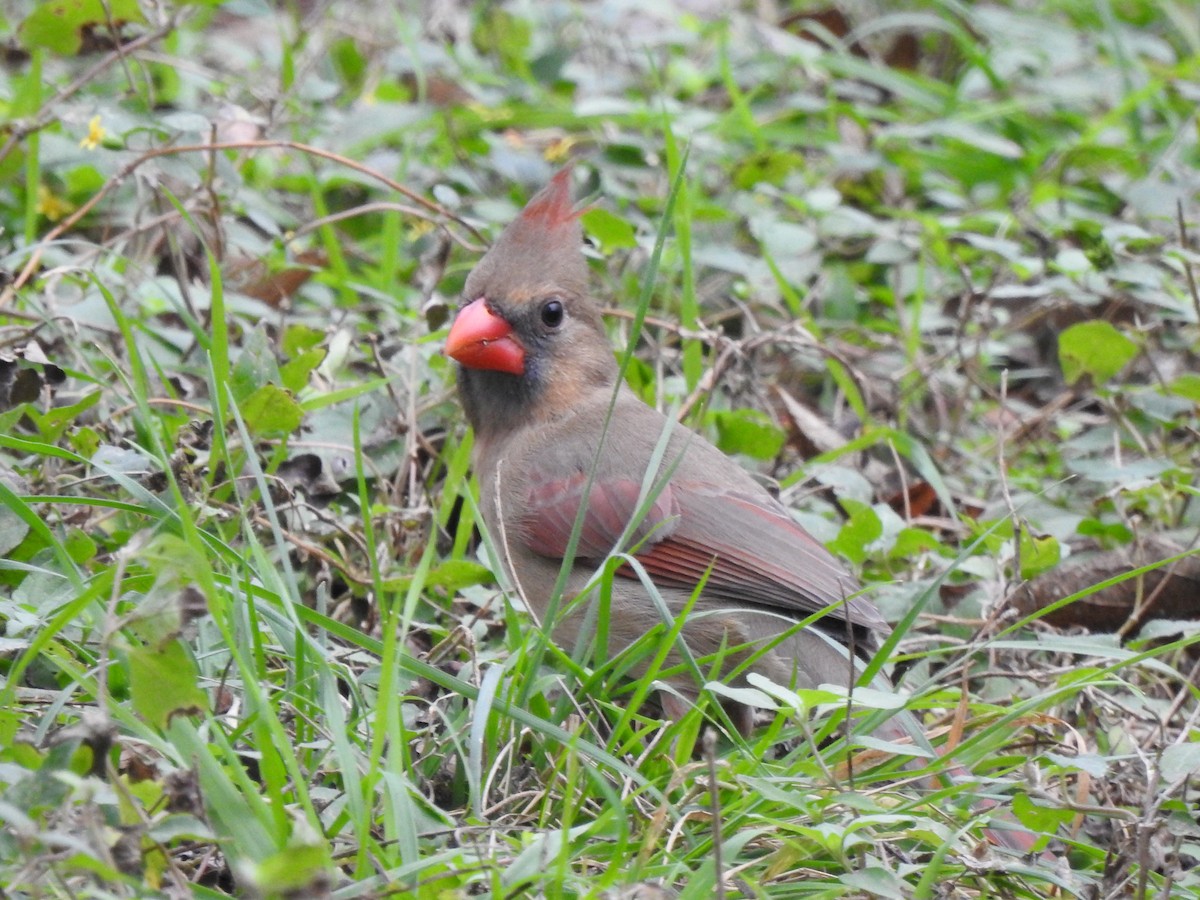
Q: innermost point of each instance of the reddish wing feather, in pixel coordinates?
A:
(762, 556)
(752, 552)
(551, 508)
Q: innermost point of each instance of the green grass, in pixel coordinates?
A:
(252, 641)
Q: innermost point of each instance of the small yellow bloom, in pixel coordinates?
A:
(488, 113)
(417, 228)
(94, 136)
(50, 206)
(559, 149)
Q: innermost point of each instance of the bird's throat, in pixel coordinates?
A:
(497, 402)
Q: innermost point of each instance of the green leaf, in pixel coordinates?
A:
(1039, 553)
(256, 366)
(162, 683)
(1113, 533)
(750, 432)
(84, 440)
(54, 422)
(1094, 348)
(639, 375)
(502, 33)
(271, 410)
(1039, 818)
(298, 338)
(993, 534)
(1187, 385)
(79, 546)
(12, 530)
(294, 374)
(10, 417)
(912, 541)
(457, 574)
(349, 62)
(863, 528)
(771, 166)
(58, 26)
(610, 230)
(292, 870)
(1180, 760)
(875, 881)
(453, 575)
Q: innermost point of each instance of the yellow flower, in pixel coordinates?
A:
(94, 136)
(50, 206)
(559, 149)
(418, 227)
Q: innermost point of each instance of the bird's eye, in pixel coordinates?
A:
(552, 313)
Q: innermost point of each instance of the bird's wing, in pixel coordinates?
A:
(552, 505)
(750, 548)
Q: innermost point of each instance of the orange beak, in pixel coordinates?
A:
(480, 339)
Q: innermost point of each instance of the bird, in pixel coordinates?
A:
(559, 436)
(575, 469)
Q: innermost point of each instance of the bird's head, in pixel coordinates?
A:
(528, 337)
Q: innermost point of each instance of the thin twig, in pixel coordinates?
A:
(1187, 267)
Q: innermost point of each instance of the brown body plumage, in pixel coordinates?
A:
(537, 383)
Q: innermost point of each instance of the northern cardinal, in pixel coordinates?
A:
(538, 382)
